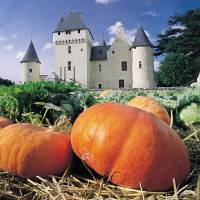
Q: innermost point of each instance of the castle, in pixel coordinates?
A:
(120, 65)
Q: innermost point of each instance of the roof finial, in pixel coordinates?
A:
(104, 42)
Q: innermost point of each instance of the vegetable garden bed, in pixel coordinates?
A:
(43, 103)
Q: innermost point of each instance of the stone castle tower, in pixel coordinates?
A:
(72, 42)
(30, 65)
(142, 63)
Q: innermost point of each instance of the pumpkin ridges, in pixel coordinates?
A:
(27, 150)
(107, 152)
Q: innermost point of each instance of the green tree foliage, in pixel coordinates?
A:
(182, 37)
(174, 70)
(6, 82)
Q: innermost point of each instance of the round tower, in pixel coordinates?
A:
(143, 61)
(30, 65)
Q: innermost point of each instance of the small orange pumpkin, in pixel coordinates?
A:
(27, 151)
(5, 122)
(150, 105)
(130, 146)
(105, 93)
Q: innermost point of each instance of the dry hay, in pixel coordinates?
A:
(74, 187)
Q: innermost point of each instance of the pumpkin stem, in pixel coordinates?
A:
(172, 119)
(62, 124)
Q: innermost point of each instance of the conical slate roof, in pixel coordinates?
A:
(31, 55)
(141, 39)
(72, 22)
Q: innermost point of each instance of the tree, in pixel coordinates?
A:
(182, 37)
(174, 70)
(6, 82)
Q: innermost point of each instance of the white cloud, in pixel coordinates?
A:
(156, 65)
(151, 13)
(113, 28)
(130, 33)
(20, 55)
(3, 39)
(105, 2)
(47, 46)
(8, 47)
(178, 26)
(14, 36)
(96, 43)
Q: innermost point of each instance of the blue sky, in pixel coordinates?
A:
(19, 19)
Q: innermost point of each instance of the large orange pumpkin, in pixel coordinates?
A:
(151, 105)
(5, 122)
(130, 146)
(27, 151)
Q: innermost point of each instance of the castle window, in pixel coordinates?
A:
(69, 49)
(79, 30)
(100, 68)
(64, 73)
(58, 33)
(30, 70)
(81, 49)
(60, 73)
(76, 40)
(140, 64)
(121, 83)
(113, 51)
(124, 66)
(69, 65)
(69, 41)
(100, 86)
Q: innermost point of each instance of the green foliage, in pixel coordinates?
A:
(41, 104)
(182, 37)
(175, 70)
(189, 114)
(20, 102)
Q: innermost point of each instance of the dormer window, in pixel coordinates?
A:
(79, 30)
(140, 64)
(69, 49)
(69, 32)
(100, 68)
(58, 33)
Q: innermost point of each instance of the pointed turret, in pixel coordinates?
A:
(141, 39)
(143, 61)
(31, 55)
(30, 65)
